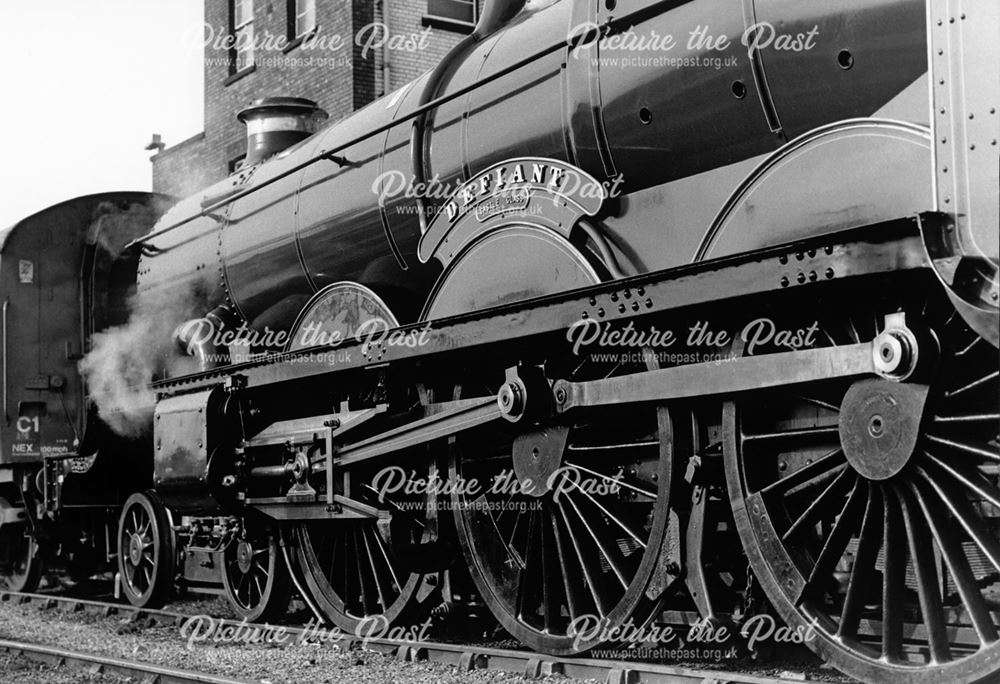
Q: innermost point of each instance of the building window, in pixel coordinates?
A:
(458, 15)
(241, 56)
(301, 18)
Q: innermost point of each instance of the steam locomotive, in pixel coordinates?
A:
(581, 334)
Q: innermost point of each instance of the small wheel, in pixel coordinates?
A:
(23, 572)
(353, 574)
(870, 510)
(145, 550)
(255, 576)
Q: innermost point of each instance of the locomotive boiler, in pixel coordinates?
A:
(628, 310)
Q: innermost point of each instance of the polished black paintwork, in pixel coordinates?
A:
(656, 125)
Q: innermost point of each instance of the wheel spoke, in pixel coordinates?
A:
(829, 463)
(840, 535)
(550, 609)
(571, 604)
(608, 555)
(260, 571)
(511, 551)
(610, 515)
(893, 578)
(379, 586)
(958, 566)
(504, 509)
(863, 570)
(819, 402)
(974, 483)
(591, 578)
(973, 385)
(966, 515)
(928, 589)
(965, 350)
(822, 504)
(608, 478)
(794, 435)
(855, 337)
(388, 563)
(599, 448)
(513, 528)
(968, 418)
(360, 567)
(525, 582)
(967, 449)
(260, 593)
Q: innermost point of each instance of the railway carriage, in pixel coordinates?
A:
(588, 337)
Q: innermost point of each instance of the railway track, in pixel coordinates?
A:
(100, 665)
(464, 657)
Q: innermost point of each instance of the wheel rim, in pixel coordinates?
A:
(139, 549)
(255, 576)
(894, 555)
(24, 571)
(551, 563)
(353, 573)
(145, 550)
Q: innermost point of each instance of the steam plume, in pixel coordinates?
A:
(126, 358)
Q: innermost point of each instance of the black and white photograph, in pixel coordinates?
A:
(500, 342)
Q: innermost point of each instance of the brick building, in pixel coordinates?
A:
(341, 53)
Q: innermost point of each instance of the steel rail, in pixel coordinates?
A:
(465, 657)
(98, 664)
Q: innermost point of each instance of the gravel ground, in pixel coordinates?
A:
(121, 638)
(21, 671)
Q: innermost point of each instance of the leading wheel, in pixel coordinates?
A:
(870, 509)
(255, 576)
(145, 550)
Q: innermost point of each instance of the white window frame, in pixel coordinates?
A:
(242, 15)
(303, 16)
